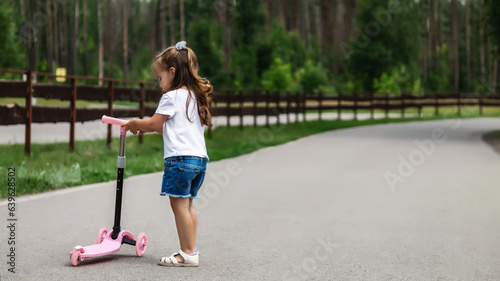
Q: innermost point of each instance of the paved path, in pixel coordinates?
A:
(414, 201)
(91, 130)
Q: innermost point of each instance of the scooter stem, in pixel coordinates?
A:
(121, 163)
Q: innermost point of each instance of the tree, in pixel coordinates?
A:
(432, 33)
(56, 34)
(282, 12)
(492, 14)
(467, 44)
(182, 20)
(423, 46)
(248, 20)
(454, 45)
(340, 31)
(481, 40)
(317, 25)
(85, 41)
(125, 7)
(222, 10)
(49, 37)
(63, 34)
(31, 32)
(307, 23)
(355, 41)
(387, 37)
(492, 20)
(171, 21)
(9, 44)
(162, 24)
(75, 40)
(100, 32)
(209, 55)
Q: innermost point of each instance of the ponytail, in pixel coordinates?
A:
(184, 60)
(201, 88)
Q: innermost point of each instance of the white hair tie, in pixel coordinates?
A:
(181, 45)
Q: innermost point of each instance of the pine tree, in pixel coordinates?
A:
(10, 47)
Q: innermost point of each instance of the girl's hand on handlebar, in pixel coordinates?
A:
(131, 126)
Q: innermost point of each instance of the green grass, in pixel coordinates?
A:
(66, 103)
(444, 111)
(44, 102)
(53, 166)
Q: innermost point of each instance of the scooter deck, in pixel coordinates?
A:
(106, 247)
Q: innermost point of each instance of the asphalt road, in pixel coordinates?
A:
(412, 201)
(92, 130)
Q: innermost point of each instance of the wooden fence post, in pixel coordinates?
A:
(339, 106)
(255, 101)
(355, 109)
(320, 105)
(304, 109)
(386, 105)
(372, 105)
(288, 107)
(72, 115)
(459, 103)
(297, 107)
(402, 105)
(228, 108)
(29, 113)
(419, 104)
(278, 100)
(267, 108)
(111, 98)
(241, 109)
(436, 104)
(480, 103)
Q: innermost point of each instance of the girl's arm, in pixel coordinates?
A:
(152, 124)
(160, 131)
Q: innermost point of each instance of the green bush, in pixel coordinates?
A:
(399, 81)
(311, 77)
(279, 76)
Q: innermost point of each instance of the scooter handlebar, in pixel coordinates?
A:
(112, 120)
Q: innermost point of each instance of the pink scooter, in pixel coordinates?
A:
(111, 242)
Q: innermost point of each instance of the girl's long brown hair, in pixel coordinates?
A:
(186, 74)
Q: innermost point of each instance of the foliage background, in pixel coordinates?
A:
(364, 45)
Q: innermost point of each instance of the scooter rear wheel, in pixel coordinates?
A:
(141, 244)
(75, 258)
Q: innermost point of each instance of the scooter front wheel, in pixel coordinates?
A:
(100, 236)
(141, 244)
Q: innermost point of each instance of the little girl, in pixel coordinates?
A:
(181, 116)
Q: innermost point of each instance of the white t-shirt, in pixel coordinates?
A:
(181, 137)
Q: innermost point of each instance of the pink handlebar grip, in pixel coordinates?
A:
(112, 120)
(115, 121)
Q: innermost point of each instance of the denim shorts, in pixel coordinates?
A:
(183, 176)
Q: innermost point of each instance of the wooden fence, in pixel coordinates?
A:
(226, 103)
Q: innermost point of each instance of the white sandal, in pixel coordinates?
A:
(188, 260)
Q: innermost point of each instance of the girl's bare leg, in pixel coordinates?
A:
(186, 223)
